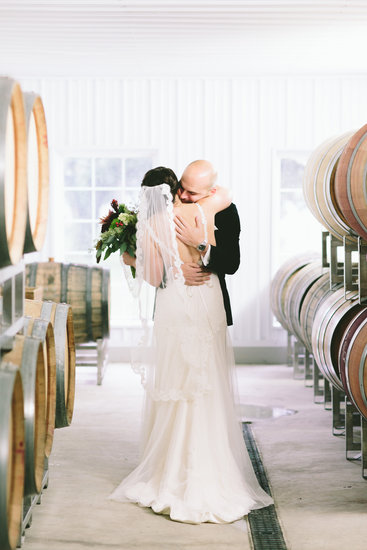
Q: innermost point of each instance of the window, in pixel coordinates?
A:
(90, 183)
(295, 230)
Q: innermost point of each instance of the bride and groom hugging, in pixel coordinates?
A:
(194, 465)
(198, 181)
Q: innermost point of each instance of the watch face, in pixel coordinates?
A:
(201, 247)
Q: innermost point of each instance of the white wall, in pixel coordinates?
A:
(238, 123)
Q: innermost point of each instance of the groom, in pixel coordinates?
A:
(198, 181)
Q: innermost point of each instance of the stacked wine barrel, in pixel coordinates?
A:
(38, 359)
(85, 288)
(331, 322)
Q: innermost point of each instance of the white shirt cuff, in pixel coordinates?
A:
(206, 257)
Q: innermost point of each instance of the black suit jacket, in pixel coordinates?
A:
(225, 256)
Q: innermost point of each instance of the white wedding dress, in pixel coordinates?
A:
(194, 464)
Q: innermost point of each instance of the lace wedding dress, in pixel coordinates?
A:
(194, 464)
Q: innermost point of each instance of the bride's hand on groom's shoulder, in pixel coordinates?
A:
(194, 275)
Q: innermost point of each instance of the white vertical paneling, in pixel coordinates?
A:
(164, 120)
(102, 122)
(245, 184)
(353, 103)
(238, 123)
(136, 113)
(272, 114)
(190, 127)
(327, 108)
(299, 128)
(218, 126)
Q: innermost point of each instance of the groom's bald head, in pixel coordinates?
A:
(197, 181)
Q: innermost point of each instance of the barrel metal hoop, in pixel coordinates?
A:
(322, 328)
(361, 369)
(105, 294)
(327, 193)
(39, 329)
(32, 274)
(6, 89)
(8, 373)
(28, 368)
(325, 222)
(64, 268)
(364, 182)
(351, 344)
(341, 305)
(46, 310)
(60, 328)
(349, 191)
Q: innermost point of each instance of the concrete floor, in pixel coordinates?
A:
(321, 498)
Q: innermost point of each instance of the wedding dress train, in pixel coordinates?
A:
(194, 464)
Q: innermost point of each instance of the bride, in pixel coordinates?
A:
(194, 465)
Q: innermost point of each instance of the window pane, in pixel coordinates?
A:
(78, 204)
(291, 173)
(108, 172)
(123, 305)
(103, 202)
(131, 196)
(78, 172)
(135, 170)
(78, 237)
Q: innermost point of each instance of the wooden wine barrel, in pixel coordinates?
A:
(349, 334)
(331, 320)
(281, 280)
(319, 187)
(296, 293)
(13, 172)
(61, 318)
(317, 293)
(85, 288)
(350, 182)
(356, 367)
(42, 329)
(37, 173)
(12, 450)
(27, 352)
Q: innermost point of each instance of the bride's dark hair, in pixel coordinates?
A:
(159, 175)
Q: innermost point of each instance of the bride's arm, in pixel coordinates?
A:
(218, 201)
(153, 264)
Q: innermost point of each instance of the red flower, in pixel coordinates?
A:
(107, 220)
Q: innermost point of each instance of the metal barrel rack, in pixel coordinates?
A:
(348, 266)
(93, 354)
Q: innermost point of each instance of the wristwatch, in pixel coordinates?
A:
(202, 246)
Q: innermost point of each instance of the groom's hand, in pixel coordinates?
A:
(188, 234)
(194, 275)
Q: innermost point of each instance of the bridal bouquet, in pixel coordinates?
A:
(118, 232)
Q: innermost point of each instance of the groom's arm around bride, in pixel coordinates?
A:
(198, 183)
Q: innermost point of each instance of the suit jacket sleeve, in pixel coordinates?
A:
(225, 256)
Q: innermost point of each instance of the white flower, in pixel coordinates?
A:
(125, 218)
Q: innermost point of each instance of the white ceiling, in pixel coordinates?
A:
(113, 37)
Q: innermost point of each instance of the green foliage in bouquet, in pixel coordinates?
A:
(118, 232)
